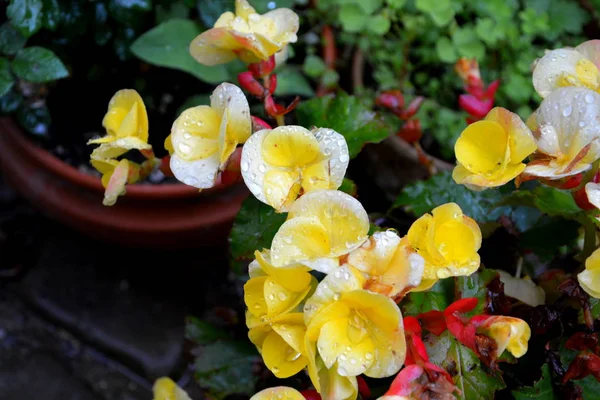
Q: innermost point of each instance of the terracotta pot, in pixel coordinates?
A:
(166, 215)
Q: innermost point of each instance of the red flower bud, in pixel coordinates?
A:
(490, 92)
(311, 394)
(272, 83)
(433, 321)
(249, 82)
(258, 124)
(413, 107)
(363, 388)
(263, 68)
(474, 106)
(411, 131)
(274, 109)
(392, 99)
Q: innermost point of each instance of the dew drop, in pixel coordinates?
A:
(568, 110)
(369, 356)
(245, 166)
(271, 297)
(186, 135)
(190, 180)
(184, 148)
(282, 296)
(262, 168)
(344, 158)
(589, 98)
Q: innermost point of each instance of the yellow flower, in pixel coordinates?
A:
(272, 291)
(245, 35)
(567, 134)
(332, 385)
(281, 342)
(490, 152)
(352, 330)
(165, 389)
(204, 137)
(115, 174)
(321, 226)
(126, 124)
(448, 241)
(278, 393)
(589, 279)
(568, 67)
(389, 267)
(281, 164)
(509, 333)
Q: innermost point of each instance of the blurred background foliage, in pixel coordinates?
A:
(410, 45)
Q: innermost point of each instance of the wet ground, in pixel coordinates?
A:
(81, 319)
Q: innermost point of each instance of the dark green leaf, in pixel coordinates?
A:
(102, 33)
(166, 12)
(253, 229)
(548, 235)
(51, 17)
(224, 368)
(10, 102)
(541, 390)
(348, 186)
(167, 45)
(423, 196)
(440, 296)
(346, 115)
(314, 66)
(37, 64)
(352, 17)
(475, 285)
(6, 78)
(11, 40)
(551, 201)
(263, 6)
(290, 81)
(211, 10)
(201, 332)
(128, 11)
(25, 16)
(465, 368)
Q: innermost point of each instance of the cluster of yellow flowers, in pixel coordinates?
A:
(561, 138)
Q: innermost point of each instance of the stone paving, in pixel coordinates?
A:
(90, 321)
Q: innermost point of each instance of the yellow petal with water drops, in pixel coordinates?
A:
(315, 317)
(292, 329)
(509, 333)
(201, 174)
(281, 188)
(126, 115)
(286, 24)
(165, 389)
(229, 101)
(278, 393)
(118, 147)
(455, 241)
(590, 50)
(290, 146)
(104, 166)
(520, 138)
(195, 132)
(418, 233)
(281, 300)
(280, 357)
(338, 344)
(293, 277)
(556, 69)
(589, 279)
(334, 151)
(254, 296)
(405, 272)
(482, 146)
(243, 9)
(334, 386)
(316, 176)
(331, 289)
(343, 217)
(214, 46)
(298, 240)
(425, 284)
(587, 73)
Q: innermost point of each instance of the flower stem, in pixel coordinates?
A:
(589, 239)
(280, 120)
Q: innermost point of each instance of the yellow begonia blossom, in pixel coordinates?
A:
(448, 241)
(245, 35)
(280, 342)
(490, 152)
(321, 226)
(281, 164)
(272, 291)
(352, 330)
(568, 67)
(126, 124)
(589, 279)
(509, 333)
(115, 174)
(568, 134)
(389, 267)
(204, 137)
(332, 385)
(165, 389)
(278, 393)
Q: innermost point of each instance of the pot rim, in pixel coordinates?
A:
(80, 178)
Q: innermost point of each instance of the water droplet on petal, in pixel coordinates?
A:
(589, 98)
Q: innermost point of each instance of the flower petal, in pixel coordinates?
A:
(334, 147)
(115, 186)
(200, 174)
(590, 50)
(555, 69)
(194, 133)
(126, 115)
(520, 139)
(278, 393)
(589, 279)
(293, 277)
(286, 25)
(214, 46)
(280, 357)
(592, 191)
(230, 100)
(165, 389)
(482, 146)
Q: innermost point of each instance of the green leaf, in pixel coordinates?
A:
(440, 11)
(166, 12)
(445, 50)
(352, 17)
(37, 64)
(378, 24)
(488, 31)
(129, 12)
(10, 102)
(541, 390)
(25, 16)
(263, 6)
(550, 234)
(465, 368)
(225, 368)
(551, 201)
(467, 43)
(348, 186)
(167, 45)
(253, 229)
(440, 296)
(423, 196)
(567, 16)
(314, 66)
(396, 4)
(11, 40)
(201, 332)
(52, 15)
(348, 116)
(6, 79)
(290, 81)
(211, 10)
(475, 285)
